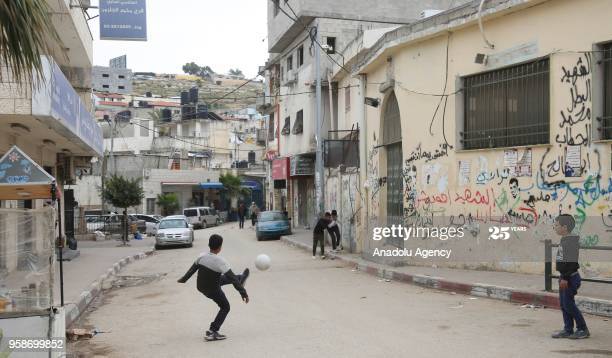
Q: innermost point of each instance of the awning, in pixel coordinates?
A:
(212, 185)
(178, 183)
(251, 184)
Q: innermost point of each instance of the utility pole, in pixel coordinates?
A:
(319, 188)
(112, 153)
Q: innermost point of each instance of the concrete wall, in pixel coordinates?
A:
(113, 81)
(281, 29)
(152, 183)
(433, 184)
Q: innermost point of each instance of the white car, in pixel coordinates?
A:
(150, 222)
(202, 216)
(174, 230)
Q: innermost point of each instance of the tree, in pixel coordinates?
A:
(194, 69)
(236, 72)
(122, 193)
(168, 202)
(25, 28)
(233, 186)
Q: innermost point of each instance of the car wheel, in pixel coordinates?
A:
(157, 247)
(259, 238)
(190, 244)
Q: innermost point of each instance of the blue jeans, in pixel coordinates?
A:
(571, 313)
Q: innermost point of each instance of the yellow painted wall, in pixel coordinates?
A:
(565, 31)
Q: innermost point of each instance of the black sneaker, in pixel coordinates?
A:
(562, 334)
(245, 275)
(580, 334)
(214, 336)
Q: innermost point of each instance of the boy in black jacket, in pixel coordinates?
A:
(214, 272)
(569, 280)
(318, 235)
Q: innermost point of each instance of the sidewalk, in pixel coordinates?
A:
(594, 298)
(98, 260)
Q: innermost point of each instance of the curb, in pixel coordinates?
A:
(95, 288)
(545, 299)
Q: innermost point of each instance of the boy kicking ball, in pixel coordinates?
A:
(214, 272)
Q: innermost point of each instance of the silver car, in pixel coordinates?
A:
(174, 230)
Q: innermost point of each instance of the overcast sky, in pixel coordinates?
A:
(221, 34)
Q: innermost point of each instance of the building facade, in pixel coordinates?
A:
(294, 32)
(112, 79)
(505, 125)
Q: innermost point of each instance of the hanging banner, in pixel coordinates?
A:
(123, 20)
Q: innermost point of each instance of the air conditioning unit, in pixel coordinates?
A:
(147, 173)
(290, 77)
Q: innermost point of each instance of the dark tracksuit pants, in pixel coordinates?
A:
(318, 238)
(334, 232)
(224, 306)
(241, 219)
(571, 313)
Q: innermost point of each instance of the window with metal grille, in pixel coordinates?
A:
(287, 127)
(507, 107)
(298, 126)
(392, 140)
(606, 120)
(290, 63)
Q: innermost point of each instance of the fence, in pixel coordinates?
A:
(548, 276)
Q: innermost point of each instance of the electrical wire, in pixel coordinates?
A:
(444, 89)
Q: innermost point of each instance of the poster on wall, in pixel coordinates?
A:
(524, 168)
(465, 167)
(518, 164)
(510, 161)
(573, 161)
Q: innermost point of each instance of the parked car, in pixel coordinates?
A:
(150, 221)
(272, 224)
(94, 223)
(112, 223)
(201, 217)
(174, 230)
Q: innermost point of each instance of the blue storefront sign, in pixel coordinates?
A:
(56, 102)
(123, 20)
(64, 100)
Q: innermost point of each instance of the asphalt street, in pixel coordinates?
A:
(313, 308)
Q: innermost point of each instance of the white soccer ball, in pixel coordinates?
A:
(262, 262)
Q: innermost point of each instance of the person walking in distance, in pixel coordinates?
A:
(334, 231)
(318, 235)
(254, 213)
(241, 215)
(214, 272)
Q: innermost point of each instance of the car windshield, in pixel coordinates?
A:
(190, 212)
(172, 224)
(271, 216)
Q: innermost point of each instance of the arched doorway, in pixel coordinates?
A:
(392, 141)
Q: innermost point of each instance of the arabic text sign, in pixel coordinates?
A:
(123, 20)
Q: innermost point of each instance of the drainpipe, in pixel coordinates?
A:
(363, 170)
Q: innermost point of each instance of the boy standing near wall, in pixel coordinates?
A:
(569, 280)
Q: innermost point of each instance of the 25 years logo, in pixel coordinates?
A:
(503, 232)
(499, 233)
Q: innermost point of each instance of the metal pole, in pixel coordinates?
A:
(112, 154)
(61, 252)
(547, 265)
(319, 189)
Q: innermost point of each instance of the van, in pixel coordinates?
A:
(202, 217)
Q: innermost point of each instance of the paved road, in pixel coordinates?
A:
(311, 308)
